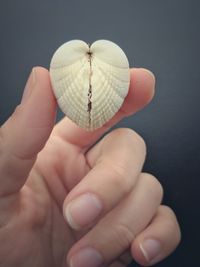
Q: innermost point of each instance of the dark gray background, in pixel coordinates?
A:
(163, 36)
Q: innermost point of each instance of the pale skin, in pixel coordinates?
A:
(46, 171)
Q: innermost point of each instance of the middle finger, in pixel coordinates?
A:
(116, 162)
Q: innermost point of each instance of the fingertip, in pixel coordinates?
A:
(41, 70)
(41, 103)
(149, 74)
(141, 90)
(148, 251)
(150, 80)
(158, 240)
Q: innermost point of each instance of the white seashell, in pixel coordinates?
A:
(90, 82)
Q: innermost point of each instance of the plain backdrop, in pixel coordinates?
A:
(163, 36)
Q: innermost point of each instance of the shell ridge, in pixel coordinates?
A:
(90, 91)
(115, 77)
(74, 99)
(73, 81)
(115, 87)
(64, 76)
(109, 105)
(63, 65)
(68, 95)
(107, 73)
(70, 105)
(105, 104)
(117, 67)
(106, 63)
(70, 67)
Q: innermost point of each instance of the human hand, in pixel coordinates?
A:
(43, 168)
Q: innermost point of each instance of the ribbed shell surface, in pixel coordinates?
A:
(90, 82)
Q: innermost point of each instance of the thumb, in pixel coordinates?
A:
(26, 131)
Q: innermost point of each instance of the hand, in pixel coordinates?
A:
(64, 200)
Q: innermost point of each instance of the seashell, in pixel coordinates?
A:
(90, 82)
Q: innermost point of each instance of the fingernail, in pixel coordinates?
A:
(149, 72)
(29, 86)
(150, 249)
(87, 257)
(83, 211)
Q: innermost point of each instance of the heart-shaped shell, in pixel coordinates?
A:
(90, 82)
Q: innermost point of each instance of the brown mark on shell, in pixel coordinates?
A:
(90, 86)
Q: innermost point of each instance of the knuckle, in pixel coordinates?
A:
(33, 212)
(120, 178)
(129, 138)
(132, 137)
(167, 210)
(139, 141)
(17, 112)
(122, 235)
(171, 219)
(154, 185)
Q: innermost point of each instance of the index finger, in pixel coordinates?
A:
(140, 93)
